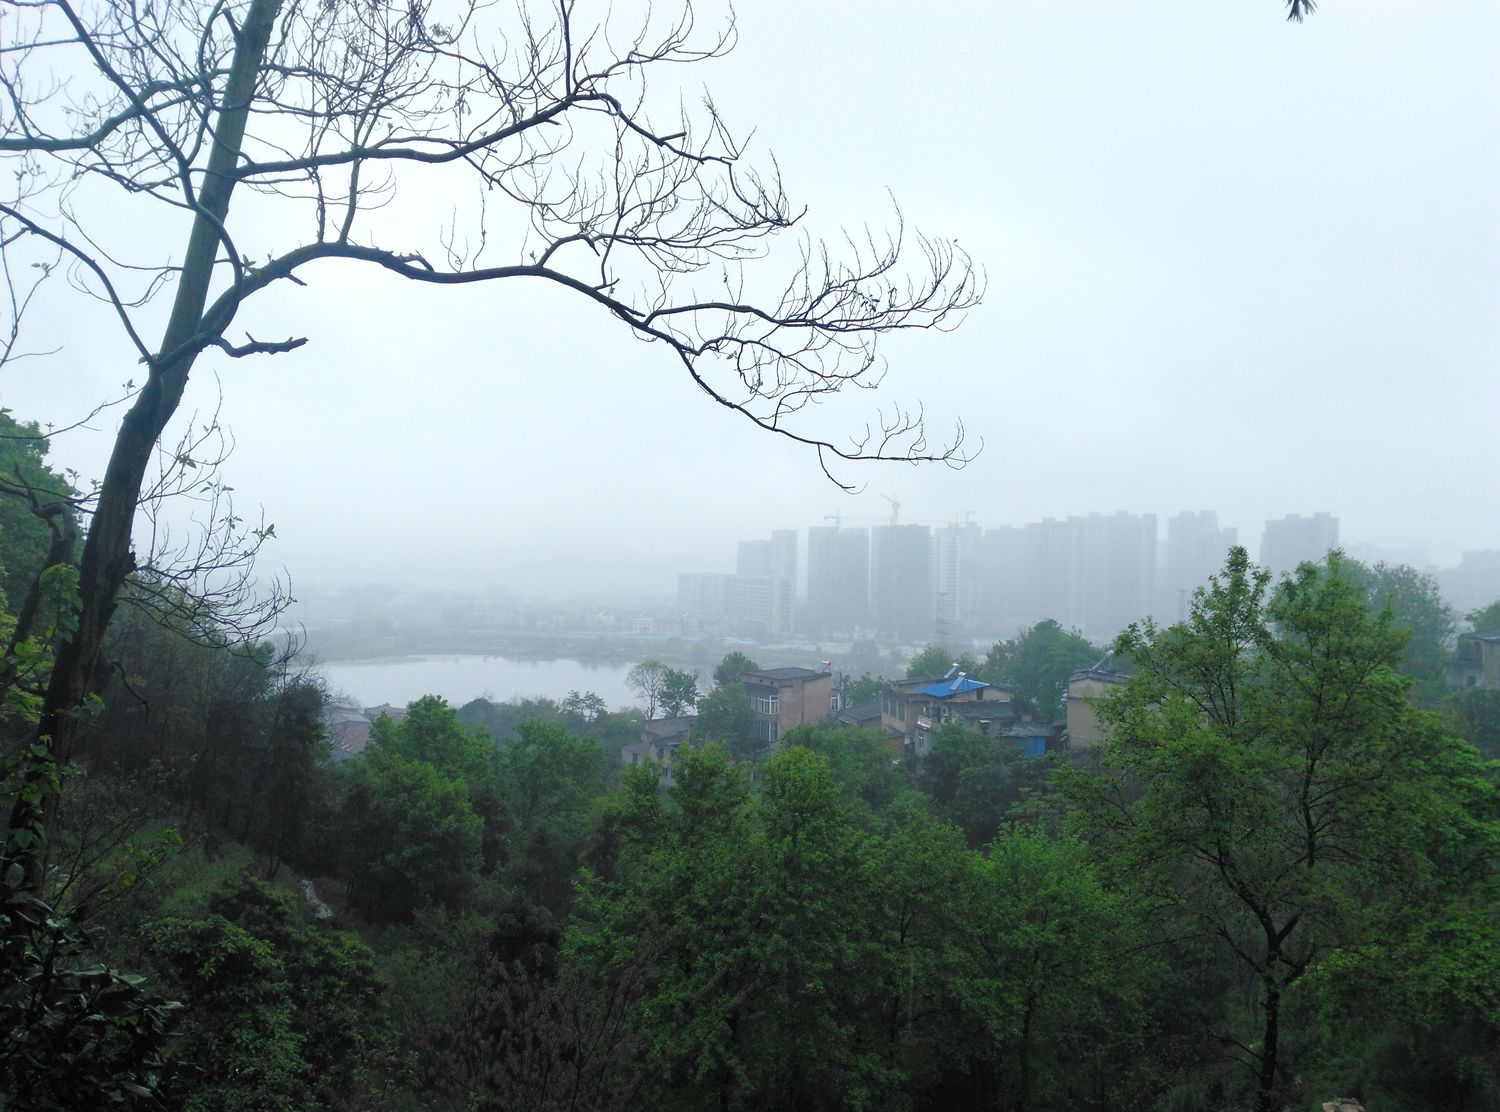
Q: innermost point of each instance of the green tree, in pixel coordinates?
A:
(77, 1033)
(1474, 714)
(279, 1012)
(501, 720)
(679, 690)
(936, 660)
(733, 669)
(294, 770)
(762, 997)
(865, 689)
(647, 679)
(386, 98)
(411, 839)
(583, 709)
(1049, 999)
(1486, 619)
(38, 522)
(1418, 609)
(431, 732)
(1268, 773)
(861, 761)
(975, 781)
(549, 780)
(726, 716)
(615, 730)
(1037, 663)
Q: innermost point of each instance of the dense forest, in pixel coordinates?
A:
(1274, 884)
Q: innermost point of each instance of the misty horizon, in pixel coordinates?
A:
(1231, 263)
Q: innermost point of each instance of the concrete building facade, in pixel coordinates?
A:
(838, 579)
(957, 560)
(901, 605)
(1295, 539)
(1196, 549)
(785, 698)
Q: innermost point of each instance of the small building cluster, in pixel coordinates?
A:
(348, 727)
(908, 713)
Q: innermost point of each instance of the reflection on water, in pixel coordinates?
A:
(461, 678)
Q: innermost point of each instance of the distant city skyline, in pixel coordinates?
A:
(1232, 265)
(627, 572)
(1094, 572)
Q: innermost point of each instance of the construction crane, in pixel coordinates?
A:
(895, 508)
(835, 517)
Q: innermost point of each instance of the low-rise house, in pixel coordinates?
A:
(1032, 738)
(660, 740)
(785, 698)
(914, 709)
(348, 730)
(1085, 688)
(864, 715)
(1476, 660)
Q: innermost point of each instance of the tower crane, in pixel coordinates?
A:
(895, 508)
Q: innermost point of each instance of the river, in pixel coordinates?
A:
(399, 680)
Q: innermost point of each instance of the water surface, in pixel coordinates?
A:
(399, 680)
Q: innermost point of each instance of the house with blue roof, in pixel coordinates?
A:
(914, 709)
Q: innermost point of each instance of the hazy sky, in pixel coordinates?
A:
(1233, 263)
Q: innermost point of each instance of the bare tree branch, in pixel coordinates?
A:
(576, 161)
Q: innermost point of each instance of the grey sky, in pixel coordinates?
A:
(1233, 264)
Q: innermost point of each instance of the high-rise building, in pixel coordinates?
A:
(701, 594)
(775, 558)
(1196, 549)
(901, 602)
(1117, 585)
(1051, 570)
(781, 551)
(838, 579)
(745, 605)
(1474, 584)
(1002, 581)
(1094, 573)
(956, 587)
(1295, 539)
(753, 558)
(760, 605)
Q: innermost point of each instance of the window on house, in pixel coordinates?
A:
(766, 704)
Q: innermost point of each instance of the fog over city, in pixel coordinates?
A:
(1232, 263)
(774, 557)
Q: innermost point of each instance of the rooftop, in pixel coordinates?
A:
(668, 729)
(1105, 674)
(991, 710)
(861, 713)
(785, 674)
(959, 685)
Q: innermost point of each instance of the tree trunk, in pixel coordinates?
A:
(107, 556)
(1265, 1097)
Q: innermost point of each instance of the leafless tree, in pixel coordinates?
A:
(313, 116)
